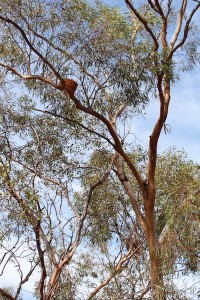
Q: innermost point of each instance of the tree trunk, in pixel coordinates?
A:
(154, 253)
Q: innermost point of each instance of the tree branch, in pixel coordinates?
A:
(29, 77)
(179, 25)
(29, 215)
(52, 181)
(118, 145)
(144, 22)
(7, 20)
(56, 273)
(67, 53)
(6, 295)
(77, 123)
(153, 6)
(26, 278)
(42, 260)
(186, 30)
(164, 24)
(117, 268)
(124, 180)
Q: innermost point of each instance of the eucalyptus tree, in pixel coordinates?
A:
(73, 76)
(111, 225)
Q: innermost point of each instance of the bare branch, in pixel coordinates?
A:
(168, 8)
(186, 30)
(31, 218)
(71, 251)
(26, 278)
(46, 178)
(179, 25)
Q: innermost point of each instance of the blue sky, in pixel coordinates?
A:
(183, 119)
(184, 111)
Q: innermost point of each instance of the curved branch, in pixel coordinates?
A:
(186, 30)
(117, 269)
(56, 273)
(144, 22)
(29, 77)
(7, 20)
(179, 24)
(117, 145)
(77, 123)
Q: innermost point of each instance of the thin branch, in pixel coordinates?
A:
(179, 25)
(77, 123)
(145, 291)
(116, 269)
(168, 8)
(101, 181)
(56, 273)
(52, 181)
(112, 131)
(28, 77)
(26, 278)
(186, 30)
(125, 182)
(31, 218)
(7, 20)
(144, 22)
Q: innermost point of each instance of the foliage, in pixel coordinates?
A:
(94, 214)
